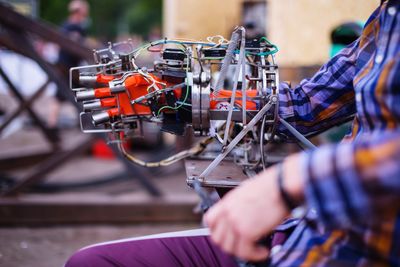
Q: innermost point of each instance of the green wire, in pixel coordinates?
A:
(166, 41)
(276, 49)
(184, 100)
(263, 53)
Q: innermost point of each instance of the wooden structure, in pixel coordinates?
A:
(96, 210)
(17, 34)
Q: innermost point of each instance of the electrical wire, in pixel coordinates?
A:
(221, 43)
(195, 150)
(185, 98)
(213, 42)
(151, 94)
(267, 53)
(262, 142)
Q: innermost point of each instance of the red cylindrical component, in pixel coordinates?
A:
(104, 116)
(138, 80)
(101, 78)
(102, 92)
(113, 112)
(108, 102)
(100, 103)
(250, 104)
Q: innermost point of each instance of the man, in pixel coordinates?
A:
(75, 29)
(352, 189)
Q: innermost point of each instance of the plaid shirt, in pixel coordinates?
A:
(354, 187)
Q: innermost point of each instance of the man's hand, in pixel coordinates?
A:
(251, 211)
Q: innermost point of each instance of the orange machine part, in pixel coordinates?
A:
(250, 104)
(137, 86)
(138, 91)
(125, 104)
(102, 92)
(101, 78)
(112, 112)
(108, 102)
(138, 80)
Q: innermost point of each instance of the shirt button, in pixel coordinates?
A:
(378, 59)
(358, 97)
(275, 249)
(391, 11)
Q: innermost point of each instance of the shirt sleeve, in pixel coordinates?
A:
(322, 101)
(353, 182)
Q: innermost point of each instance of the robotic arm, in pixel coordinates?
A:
(225, 90)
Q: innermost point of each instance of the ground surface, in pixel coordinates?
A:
(51, 246)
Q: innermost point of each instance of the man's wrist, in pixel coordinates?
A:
(292, 176)
(287, 199)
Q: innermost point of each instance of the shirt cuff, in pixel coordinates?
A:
(286, 109)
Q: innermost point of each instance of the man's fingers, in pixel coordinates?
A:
(211, 216)
(218, 232)
(249, 250)
(229, 241)
(258, 253)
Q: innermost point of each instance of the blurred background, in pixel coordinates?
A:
(61, 189)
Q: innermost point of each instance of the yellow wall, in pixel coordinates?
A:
(300, 28)
(200, 18)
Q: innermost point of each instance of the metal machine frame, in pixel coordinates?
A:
(242, 120)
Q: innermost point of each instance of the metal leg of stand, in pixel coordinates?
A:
(139, 174)
(51, 136)
(54, 162)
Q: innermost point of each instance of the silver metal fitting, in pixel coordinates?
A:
(100, 117)
(202, 77)
(274, 99)
(87, 80)
(200, 109)
(119, 88)
(96, 104)
(85, 95)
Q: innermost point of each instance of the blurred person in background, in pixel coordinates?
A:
(75, 28)
(350, 190)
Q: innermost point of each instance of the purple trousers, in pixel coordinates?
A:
(185, 248)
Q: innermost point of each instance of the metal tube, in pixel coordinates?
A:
(243, 78)
(227, 61)
(235, 141)
(100, 117)
(298, 135)
(87, 80)
(117, 88)
(85, 95)
(235, 83)
(96, 104)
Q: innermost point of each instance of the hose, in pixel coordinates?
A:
(195, 150)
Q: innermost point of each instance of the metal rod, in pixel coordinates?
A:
(233, 96)
(226, 61)
(298, 135)
(236, 140)
(243, 78)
